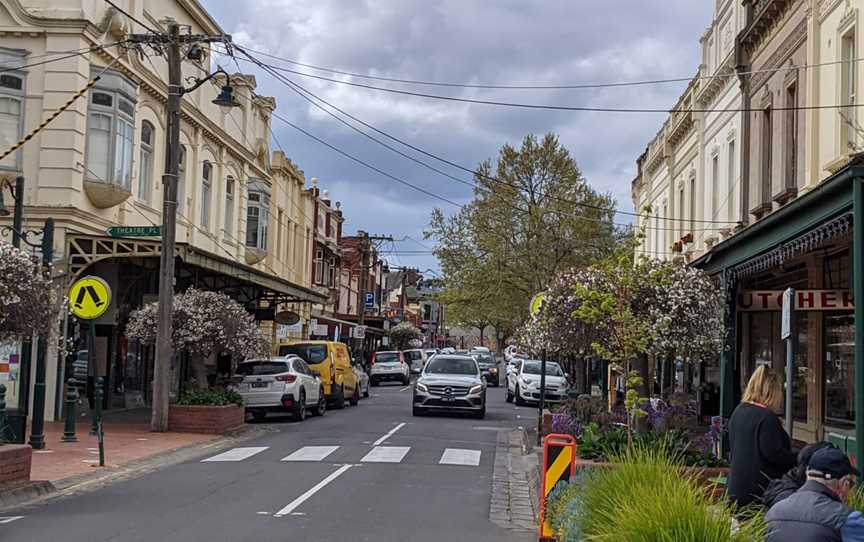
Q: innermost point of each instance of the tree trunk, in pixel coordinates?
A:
(198, 368)
(641, 366)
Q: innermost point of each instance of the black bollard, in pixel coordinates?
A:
(3, 423)
(71, 402)
(100, 434)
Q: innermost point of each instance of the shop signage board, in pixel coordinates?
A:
(804, 300)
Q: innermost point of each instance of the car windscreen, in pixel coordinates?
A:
(387, 357)
(262, 367)
(413, 355)
(485, 359)
(310, 353)
(533, 368)
(451, 365)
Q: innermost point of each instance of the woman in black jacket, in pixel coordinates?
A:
(760, 449)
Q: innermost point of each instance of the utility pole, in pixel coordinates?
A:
(365, 246)
(171, 43)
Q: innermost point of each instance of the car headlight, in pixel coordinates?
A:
(421, 387)
(526, 383)
(494, 370)
(476, 389)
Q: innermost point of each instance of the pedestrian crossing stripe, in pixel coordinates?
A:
(378, 454)
(457, 456)
(9, 519)
(236, 454)
(311, 453)
(386, 454)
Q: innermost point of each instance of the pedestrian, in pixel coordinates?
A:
(759, 448)
(816, 513)
(794, 478)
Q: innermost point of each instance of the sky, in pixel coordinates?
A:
(501, 42)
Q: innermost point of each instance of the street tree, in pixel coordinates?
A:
(404, 336)
(532, 216)
(204, 323)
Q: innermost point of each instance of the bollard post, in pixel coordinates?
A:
(71, 401)
(3, 423)
(100, 435)
(559, 464)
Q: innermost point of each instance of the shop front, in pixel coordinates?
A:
(808, 245)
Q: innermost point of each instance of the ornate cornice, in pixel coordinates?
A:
(789, 45)
(763, 16)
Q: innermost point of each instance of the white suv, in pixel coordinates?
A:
(279, 385)
(389, 366)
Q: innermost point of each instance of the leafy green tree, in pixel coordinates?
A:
(533, 215)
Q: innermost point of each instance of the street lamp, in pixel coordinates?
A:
(46, 244)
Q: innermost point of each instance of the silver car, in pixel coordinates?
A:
(450, 383)
(362, 378)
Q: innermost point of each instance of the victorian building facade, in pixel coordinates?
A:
(245, 223)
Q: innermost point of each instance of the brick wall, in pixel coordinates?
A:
(15, 463)
(205, 419)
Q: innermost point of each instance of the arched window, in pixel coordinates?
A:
(206, 189)
(145, 167)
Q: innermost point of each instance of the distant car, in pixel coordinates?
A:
(389, 366)
(523, 383)
(416, 359)
(488, 367)
(509, 352)
(448, 350)
(480, 349)
(362, 379)
(285, 384)
(450, 383)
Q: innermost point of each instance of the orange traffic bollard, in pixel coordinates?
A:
(559, 464)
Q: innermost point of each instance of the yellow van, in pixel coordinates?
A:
(332, 362)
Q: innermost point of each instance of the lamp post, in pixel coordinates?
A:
(19, 235)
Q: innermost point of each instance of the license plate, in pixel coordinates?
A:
(260, 384)
(448, 399)
(244, 387)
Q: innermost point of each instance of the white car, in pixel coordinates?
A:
(523, 383)
(389, 366)
(362, 379)
(480, 349)
(281, 384)
(416, 359)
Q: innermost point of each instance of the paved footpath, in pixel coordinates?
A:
(371, 472)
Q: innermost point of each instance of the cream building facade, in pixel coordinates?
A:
(245, 221)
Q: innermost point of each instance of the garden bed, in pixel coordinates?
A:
(205, 418)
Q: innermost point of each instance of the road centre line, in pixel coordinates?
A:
(315, 489)
(10, 519)
(388, 435)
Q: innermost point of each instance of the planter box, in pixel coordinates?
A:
(15, 460)
(205, 419)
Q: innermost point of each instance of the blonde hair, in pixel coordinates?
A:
(764, 387)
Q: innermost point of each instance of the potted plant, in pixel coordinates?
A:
(212, 410)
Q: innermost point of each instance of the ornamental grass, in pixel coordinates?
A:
(646, 497)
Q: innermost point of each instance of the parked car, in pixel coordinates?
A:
(332, 362)
(511, 365)
(285, 384)
(523, 383)
(480, 349)
(390, 365)
(431, 352)
(416, 359)
(450, 383)
(509, 352)
(488, 367)
(363, 378)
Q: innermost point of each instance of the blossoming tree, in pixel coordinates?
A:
(204, 323)
(28, 300)
(404, 336)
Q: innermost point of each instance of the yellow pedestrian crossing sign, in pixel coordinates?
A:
(89, 297)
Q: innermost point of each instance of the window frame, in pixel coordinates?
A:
(848, 94)
(145, 162)
(206, 193)
(318, 262)
(731, 165)
(258, 200)
(8, 56)
(122, 91)
(181, 180)
(230, 185)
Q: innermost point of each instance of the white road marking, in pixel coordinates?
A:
(388, 435)
(89, 460)
(311, 453)
(405, 388)
(386, 454)
(9, 519)
(315, 489)
(236, 454)
(458, 456)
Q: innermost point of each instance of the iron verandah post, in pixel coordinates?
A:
(37, 429)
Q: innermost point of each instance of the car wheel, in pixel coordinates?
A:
(355, 397)
(339, 398)
(480, 415)
(321, 407)
(259, 416)
(417, 411)
(366, 392)
(519, 400)
(509, 397)
(300, 407)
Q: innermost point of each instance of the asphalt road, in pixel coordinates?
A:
(371, 472)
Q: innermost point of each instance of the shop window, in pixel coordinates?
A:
(839, 369)
(791, 136)
(145, 166)
(111, 131)
(802, 369)
(11, 110)
(206, 189)
(319, 266)
(257, 216)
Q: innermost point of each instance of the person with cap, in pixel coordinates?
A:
(816, 512)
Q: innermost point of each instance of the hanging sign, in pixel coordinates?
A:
(786, 320)
(89, 297)
(804, 300)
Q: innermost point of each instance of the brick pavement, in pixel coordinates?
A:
(127, 438)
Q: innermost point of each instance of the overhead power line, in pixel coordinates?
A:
(70, 54)
(554, 107)
(547, 86)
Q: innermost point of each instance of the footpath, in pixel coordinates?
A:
(131, 449)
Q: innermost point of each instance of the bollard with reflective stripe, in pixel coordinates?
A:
(559, 463)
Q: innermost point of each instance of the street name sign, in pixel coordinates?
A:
(89, 297)
(134, 231)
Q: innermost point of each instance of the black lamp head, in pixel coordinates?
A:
(226, 97)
